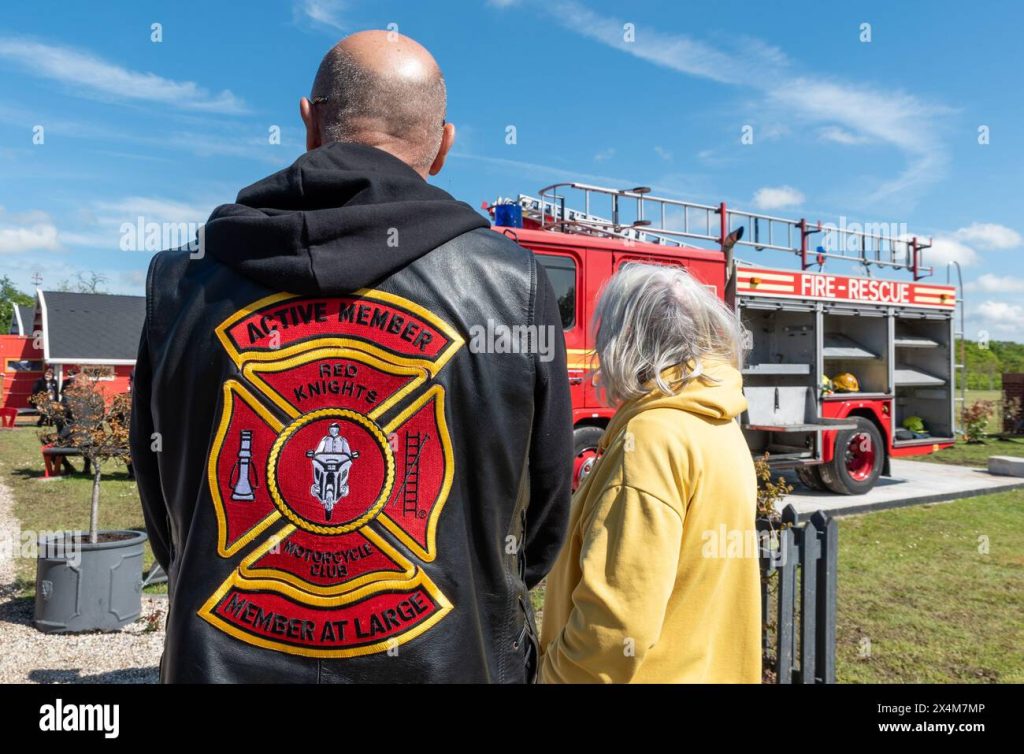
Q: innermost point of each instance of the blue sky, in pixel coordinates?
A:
(883, 131)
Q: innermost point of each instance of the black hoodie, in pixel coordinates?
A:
(306, 229)
(340, 458)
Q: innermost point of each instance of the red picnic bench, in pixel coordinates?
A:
(54, 458)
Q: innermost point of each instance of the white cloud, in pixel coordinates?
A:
(663, 153)
(604, 154)
(242, 145)
(989, 283)
(88, 73)
(1001, 318)
(30, 231)
(32, 238)
(892, 117)
(948, 249)
(502, 3)
(962, 246)
(322, 12)
(100, 226)
(678, 52)
(771, 131)
(777, 197)
(153, 209)
(841, 136)
(541, 172)
(990, 236)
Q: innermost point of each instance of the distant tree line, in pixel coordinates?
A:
(986, 365)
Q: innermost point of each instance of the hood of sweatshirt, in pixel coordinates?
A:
(716, 394)
(341, 217)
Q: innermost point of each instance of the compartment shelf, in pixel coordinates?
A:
(756, 369)
(906, 377)
(909, 341)
(838, 346)
(923, 441)
(810, 426)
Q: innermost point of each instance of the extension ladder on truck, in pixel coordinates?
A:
(790, 414)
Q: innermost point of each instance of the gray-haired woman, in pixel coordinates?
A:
(646, 589)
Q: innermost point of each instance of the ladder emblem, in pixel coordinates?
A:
(410, 490)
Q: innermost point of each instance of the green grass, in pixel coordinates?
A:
(935, 609)
(984, 395)
(62, 503)
(976, 454)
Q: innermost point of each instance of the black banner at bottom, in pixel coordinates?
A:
(310, 715)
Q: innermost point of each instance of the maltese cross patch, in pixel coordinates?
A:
(330, 467)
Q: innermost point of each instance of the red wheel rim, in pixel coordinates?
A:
(584, 462)
(860, 456)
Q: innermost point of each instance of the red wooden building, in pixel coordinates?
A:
(69, 332)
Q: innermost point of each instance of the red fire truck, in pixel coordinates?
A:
(894, 338)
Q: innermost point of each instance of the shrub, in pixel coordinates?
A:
(769, 491)
(975, 420)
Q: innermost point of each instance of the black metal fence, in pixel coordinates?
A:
(798, 598)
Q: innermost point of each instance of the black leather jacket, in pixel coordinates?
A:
(356, 479)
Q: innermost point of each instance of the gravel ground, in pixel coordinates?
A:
(28, 656)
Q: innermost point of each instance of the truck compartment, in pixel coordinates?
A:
(858, 344)
(779, 383)
(923, 376)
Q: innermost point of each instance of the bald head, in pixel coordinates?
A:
(385, 90)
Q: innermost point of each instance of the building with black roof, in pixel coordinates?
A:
(90, 328)
(22, 318)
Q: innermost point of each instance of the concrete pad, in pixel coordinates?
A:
(911, 483)
(1006, 466)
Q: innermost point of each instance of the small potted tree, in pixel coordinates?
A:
(89, 581)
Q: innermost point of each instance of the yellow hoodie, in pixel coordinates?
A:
(646, 589)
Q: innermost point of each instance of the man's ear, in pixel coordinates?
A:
(312, 131)
(447, 140)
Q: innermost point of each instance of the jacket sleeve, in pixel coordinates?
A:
(629, 561)
(547, 516)
(144, 458)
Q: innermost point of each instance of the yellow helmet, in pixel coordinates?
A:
(846, 383)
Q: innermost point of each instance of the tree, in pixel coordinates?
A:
(94, 427)
(9, 297)
(83, 282)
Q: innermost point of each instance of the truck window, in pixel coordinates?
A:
(562, 273)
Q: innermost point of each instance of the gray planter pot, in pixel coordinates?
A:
(89, 587)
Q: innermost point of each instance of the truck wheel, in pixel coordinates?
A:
(584, 440)
(857, 460)
(810, 476)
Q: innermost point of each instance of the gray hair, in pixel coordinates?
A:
(352, 99)
(652, 317)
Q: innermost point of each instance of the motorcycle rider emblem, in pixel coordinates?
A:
(332, 463)
(329, 472)
(337, 501)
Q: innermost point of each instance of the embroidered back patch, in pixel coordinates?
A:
(330, 457)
